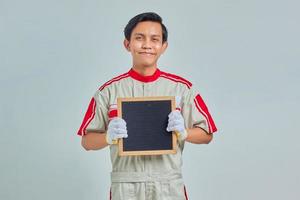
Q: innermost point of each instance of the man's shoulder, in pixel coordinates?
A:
(176, 78)
(114, 80)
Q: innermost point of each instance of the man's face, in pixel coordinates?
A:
(146, 44)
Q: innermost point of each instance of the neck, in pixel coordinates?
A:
(145, 71)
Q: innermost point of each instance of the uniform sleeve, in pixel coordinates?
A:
(195, 112)
(96, 118)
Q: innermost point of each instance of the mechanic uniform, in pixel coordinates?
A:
(155, 177)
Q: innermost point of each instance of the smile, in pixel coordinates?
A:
(147, 53)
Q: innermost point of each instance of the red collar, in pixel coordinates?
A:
(135, 75)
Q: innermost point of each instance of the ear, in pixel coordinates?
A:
(126, 44)
(164, 47)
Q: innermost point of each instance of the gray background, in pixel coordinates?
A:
(243, 57)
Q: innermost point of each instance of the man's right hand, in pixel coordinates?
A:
(116, 129)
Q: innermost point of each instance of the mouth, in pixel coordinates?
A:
(147, 53)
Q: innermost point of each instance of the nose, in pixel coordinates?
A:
(146, 44)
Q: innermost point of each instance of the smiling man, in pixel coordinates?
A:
(146, 177)
(146, 43)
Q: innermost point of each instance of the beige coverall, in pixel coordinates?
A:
(146, 177)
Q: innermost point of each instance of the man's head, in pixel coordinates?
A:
(146, 38)
(148, 16)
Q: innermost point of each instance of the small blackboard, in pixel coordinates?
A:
(147, 120)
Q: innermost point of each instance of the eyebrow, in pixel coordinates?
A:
(141, 34)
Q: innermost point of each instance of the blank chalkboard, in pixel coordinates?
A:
(147, 120)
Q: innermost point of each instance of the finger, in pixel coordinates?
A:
(121, 131)
(122, 135)
(169, 129)
(117, 120)
(116, 131)
(118, 125)
(172, 123)
(175, 115)
(179, 128)
(121, 126)
(175, 122)
(121, 121)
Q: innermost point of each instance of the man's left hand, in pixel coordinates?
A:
(176, 123)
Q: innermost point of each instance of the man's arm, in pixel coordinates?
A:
(94, 141)
(198, 136)
(97, 140)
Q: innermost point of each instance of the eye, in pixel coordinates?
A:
(138, 38)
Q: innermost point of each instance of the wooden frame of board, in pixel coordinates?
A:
(171, 140)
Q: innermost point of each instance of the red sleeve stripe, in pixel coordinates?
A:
(89, 115)
(114, 80)
(202, 108)
(176, 80)
(204, 114)
(185, 194)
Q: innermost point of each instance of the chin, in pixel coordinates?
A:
(148, 64)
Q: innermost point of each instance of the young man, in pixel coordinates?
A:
(146, 177)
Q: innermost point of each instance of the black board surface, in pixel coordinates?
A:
(147, 120)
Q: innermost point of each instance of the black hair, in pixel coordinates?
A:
(147, 16)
